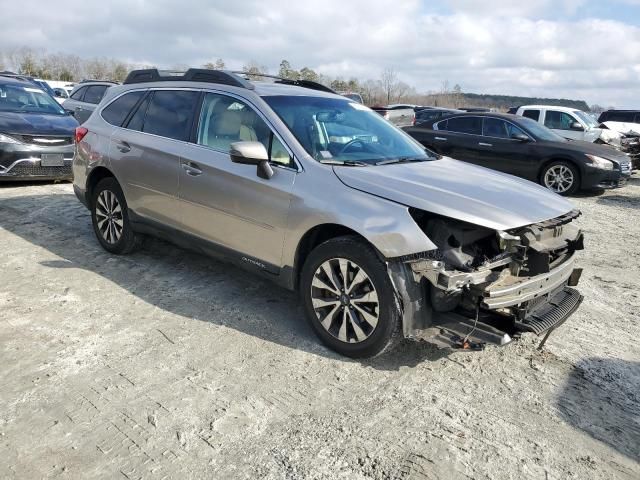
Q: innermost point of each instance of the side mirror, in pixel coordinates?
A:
(577, 126)
(521, 137)
(252, 153)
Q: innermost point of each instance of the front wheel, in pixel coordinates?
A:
(349, 299)
(110, 217)
(561, 177)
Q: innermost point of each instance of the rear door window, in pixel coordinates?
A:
(468, 125)
(558, 120)
(78, 94)
(532, 114)
(170, 113)
(118, 110)
(94, 94)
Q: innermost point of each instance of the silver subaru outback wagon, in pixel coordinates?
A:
(382, 239)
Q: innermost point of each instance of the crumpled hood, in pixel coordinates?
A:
(459, 190)
(37, 124)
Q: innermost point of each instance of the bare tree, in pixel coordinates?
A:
(253, 69)
(389, 80)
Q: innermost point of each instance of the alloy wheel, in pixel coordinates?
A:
(345, 300)
(559, 178)
(109, 216)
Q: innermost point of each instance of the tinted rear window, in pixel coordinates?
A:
(170, 114)
(469, 125)
(94, 94)
(118, 110)
(532, 114)
(77, 95)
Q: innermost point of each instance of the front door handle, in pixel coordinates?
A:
(482, 144)
(441, 139)
(124, 147)
(191, 169)
(78, 108)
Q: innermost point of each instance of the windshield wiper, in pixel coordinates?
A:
(348, 163)
(401, 160)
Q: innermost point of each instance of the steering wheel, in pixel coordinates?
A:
(349, 144)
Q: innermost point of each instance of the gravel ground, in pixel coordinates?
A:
(163, 364)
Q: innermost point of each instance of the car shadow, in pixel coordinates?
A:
(632, 202)
(635, 180)
(601, 397)
(181, 282)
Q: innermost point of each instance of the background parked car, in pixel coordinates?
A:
(36, 134)
(523, 147)
(571, 123)
(400, 117)
(434, 113)
(353, 96)
(85, 97)
(60, 94)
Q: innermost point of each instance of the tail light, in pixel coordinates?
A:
(80, 133)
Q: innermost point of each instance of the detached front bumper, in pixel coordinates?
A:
(505, 305)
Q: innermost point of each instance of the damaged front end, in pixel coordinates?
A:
(481, 286)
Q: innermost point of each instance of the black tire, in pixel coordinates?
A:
(128, 240)
(575, 186)
(388, 330)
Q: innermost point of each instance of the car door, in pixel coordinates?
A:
(504, 148)
(145, 154)
(560, 122)
(462, 138)
(227, 203)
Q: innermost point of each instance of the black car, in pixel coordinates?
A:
(433, 113)
(37, 136)
(624, 116)
(523, 147)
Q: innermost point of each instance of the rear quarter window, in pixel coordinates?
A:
(118, 110)
(532, 114)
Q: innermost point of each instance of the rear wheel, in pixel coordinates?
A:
(561, 177)
(110, 217)
(349, 299)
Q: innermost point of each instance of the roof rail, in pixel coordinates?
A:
(87, 80)
(288, 81)
(192, 75)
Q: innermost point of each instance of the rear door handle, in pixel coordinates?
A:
(78, 108)
(482, 144)
(191, 169)
(441, 139)
(124, 147)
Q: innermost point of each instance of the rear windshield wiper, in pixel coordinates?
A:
(348, 163)
(402, 160)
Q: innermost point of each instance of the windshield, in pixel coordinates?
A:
(586, 118)
(334, 130)
(25, 99)
(540, 132)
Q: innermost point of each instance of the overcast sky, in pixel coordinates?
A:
(579, 49)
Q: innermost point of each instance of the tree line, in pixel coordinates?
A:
(388, 88)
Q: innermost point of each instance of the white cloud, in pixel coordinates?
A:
(505, 46)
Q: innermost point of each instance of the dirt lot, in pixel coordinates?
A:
(163, 364)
